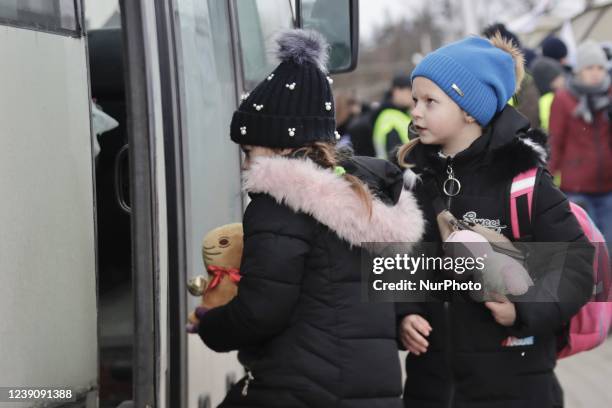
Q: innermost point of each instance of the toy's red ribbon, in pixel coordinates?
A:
(218, 272)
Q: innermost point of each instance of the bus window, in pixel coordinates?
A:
(57, 16)
(102, 14)
(258, 22)
(337, 21)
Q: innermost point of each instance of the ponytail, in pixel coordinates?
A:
(404, 151)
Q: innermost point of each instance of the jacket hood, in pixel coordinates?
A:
(382, 178)
(507, 147)
(306, 187)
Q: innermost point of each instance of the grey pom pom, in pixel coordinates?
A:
(303, 46)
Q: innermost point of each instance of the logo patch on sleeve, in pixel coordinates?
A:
(516, 342)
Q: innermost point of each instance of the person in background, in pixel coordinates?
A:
(530, 56)
(347, 109)
(393, 117)
(555, 48)
(581, 136)
(527, 98)
(549, 78)
(360, 130)
(607, 47)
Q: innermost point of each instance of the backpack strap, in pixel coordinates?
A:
(521, 203)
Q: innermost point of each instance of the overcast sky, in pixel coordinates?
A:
(372, 13)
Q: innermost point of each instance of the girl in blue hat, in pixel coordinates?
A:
(470, 146)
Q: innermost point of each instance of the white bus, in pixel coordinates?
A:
(102, 214)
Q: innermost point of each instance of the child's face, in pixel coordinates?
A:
(437, 118)
(592, 75)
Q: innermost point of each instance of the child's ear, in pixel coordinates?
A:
(468, 119)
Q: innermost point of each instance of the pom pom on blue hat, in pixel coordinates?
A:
(475, 74)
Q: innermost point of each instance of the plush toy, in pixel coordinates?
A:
(222, 253)
(502, 274)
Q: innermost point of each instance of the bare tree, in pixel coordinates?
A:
(390, 52)
(394, 45)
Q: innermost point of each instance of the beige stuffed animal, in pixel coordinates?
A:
(222, 254)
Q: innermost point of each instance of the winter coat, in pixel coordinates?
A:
(302, 330)
(582, 152)
(527, 101)
(390, 129)
(472, 361)
(360, 130)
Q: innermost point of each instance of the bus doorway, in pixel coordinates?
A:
(115, 289)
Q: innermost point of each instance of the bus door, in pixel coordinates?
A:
(48, 336)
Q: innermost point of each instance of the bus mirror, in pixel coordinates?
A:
(338, 21)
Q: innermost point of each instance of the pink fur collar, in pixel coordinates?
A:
(306, 187)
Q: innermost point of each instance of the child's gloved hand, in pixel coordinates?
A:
(413, 330)
(194, 320)
(502, 309)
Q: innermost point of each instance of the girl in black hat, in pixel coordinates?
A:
(302, 330)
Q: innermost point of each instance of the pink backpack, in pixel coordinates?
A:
(590, 326)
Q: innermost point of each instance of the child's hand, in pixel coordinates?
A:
(502, 309)
(412, 331)
(194, 321)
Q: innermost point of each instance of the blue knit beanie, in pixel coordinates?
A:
(478, 76)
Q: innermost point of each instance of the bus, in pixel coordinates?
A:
(115, 160)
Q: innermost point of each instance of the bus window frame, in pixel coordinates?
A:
(354, 24)
(77, 32)
(139, 92)
(169, 38)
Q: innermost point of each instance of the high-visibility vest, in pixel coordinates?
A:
(545, 104)
(389, 119)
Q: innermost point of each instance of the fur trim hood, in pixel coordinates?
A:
(306, 187)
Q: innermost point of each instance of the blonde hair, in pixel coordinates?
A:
(404, 151)
(327, 156)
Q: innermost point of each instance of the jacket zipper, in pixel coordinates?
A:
(447, 306)
(450, 176)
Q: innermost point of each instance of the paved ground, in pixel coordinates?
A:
(587, 378)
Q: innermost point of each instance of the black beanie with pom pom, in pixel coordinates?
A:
(294, 105)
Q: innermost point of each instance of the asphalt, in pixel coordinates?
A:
(587, 378)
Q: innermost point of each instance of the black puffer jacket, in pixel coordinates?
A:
(466, 364)
(299, 321)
